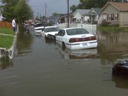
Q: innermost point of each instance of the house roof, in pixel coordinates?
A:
(94, 11)
(97, 10)
(82, 11)
(121, 6)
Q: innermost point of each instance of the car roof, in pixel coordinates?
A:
(50, 26)
(72, 28)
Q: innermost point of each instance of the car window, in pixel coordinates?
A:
(52, 29)
(76, 31)
(61, 33)
(38, 25)
(40, 29)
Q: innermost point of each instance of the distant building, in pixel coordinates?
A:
(115, 13)
(94, 15)
(81, 16)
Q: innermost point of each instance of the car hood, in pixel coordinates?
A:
(38, 30)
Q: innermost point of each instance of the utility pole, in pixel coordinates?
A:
(68, 13)
(45, 9)
(45, 13)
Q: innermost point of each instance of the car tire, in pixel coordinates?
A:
(63, 45)
(46, 37)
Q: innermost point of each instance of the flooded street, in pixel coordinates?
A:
(42, 68)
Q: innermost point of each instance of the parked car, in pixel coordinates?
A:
(120, 68)
(39, 29)
(76, 38)
(50, 31)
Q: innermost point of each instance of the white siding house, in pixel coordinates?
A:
(115, 13)
(80, 15)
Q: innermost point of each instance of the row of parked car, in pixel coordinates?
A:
(73, 38)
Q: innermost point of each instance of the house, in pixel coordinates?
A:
(94, 15)
(81, 15)
(115, 13)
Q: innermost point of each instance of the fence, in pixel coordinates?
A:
(5, 24)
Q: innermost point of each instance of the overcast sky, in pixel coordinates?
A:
(58, 6)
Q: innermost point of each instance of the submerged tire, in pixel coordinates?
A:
(63, 46)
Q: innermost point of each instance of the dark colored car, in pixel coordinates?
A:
(120, 68)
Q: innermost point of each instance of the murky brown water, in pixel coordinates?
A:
(42, 68)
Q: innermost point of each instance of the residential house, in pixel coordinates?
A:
(115, 13)
(94, 15)
(81, 15)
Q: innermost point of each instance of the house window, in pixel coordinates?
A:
(107, 16)
(116, 16)
(112, 16)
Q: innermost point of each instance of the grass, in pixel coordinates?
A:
(113, 29)
(6, 41)
(5, 30)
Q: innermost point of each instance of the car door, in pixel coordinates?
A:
(60, 36)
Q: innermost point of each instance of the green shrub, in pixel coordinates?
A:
(105, 23)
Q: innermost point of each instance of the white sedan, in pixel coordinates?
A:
(50, 31)
(38, 30)
(76, 38)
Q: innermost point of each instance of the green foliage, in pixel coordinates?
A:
(87, 4)
(73, 8)
(113, 29)
(92, 3)
(23, 11)
(18, 9)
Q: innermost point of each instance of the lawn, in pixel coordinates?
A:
(6, 41)
(5, 30)
(113, 29)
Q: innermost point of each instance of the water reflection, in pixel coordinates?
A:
(120, 82)
(49, 41)
(24, 41)
(112, 46)
(5, 63)
(77, 54)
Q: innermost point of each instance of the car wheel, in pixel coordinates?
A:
(63, 45)
(45, 37)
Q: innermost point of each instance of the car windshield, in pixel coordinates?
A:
(52, 29)
(38, 25)
(77, 31)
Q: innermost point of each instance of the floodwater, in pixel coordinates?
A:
(42, 68)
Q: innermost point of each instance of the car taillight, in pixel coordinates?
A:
(82, 39)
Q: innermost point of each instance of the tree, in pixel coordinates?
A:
(9, 6)
(73, 8)
(92, 3)
(55, 14)
(87, 4)
(16, 8)
(22, 10)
